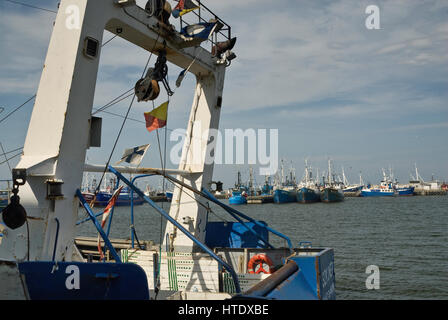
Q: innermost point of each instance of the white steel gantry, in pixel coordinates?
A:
(58, 134)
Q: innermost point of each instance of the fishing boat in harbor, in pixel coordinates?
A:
(102, 197)
(238, 197)
(405, 190)
(388, 188)
(123, 199)
(330, 194)
(285, 194)
(41, 256)
(351, 188)
(239, 193)
(332, 190)
(308, 190)
(285, 190)
(385, 189)
(259, 195)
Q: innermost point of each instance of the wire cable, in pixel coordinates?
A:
(30, 6)
(11, 158)
(8, 152)
(4, 153)
(9, 114)
(114, 101)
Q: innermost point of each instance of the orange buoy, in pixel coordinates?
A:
(259, 260)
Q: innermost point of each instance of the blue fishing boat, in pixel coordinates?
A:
(330, 194)
(385, 189)
(332, 190)
(308, 191)
(308, 195)
(405, 191)
(378, 192)
(196, 259)
(238, 198)
(267, 188)
(124, 198)
(239, 192)
(285, 190)
(285, 195)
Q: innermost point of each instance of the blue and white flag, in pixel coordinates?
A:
(134, 155)
(201, 30)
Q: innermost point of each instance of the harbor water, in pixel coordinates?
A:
(405, 237)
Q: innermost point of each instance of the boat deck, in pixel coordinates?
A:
(186, 275)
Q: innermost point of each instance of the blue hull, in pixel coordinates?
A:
(237, 198)
(331, 195)
(284, 196)
(97, 281)
(169, 196)
(306, 195)
(377, 193)
(406, 191)
(124, 199)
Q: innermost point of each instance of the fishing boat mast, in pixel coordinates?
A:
(330, 177)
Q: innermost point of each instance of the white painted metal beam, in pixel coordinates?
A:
(139, 170)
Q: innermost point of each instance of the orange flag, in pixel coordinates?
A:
(157, 118)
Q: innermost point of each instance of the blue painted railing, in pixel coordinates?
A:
(132, 205)
(233, 212)
(179, 226)
(98, 226)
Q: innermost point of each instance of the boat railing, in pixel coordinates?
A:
(235, 212)
(100, 230)
(171, 220)
(202, 14)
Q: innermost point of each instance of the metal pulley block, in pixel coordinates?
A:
(160, 9)
(147, 88)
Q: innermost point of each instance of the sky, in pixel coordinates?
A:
(366, 98)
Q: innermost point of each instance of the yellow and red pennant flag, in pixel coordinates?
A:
(157, 118)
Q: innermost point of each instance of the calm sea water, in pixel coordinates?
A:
(407, 238)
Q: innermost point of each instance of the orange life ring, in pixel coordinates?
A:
(260, 259)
